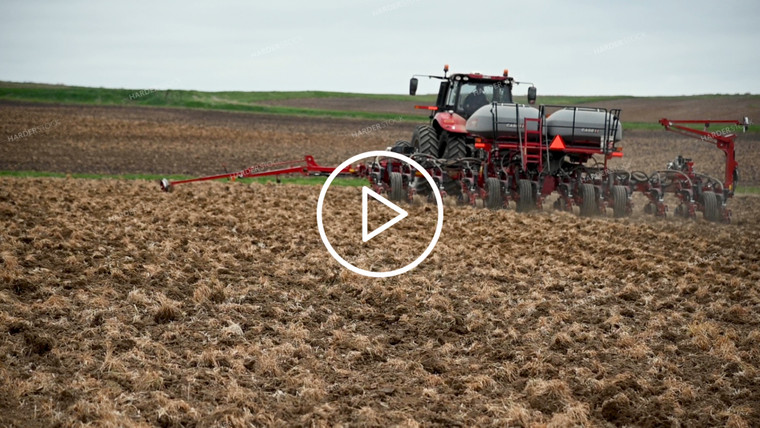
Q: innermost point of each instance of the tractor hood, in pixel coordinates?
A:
(451, 122)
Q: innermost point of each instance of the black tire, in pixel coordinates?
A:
(425, 141)
(403, 147)
(711, 208)
(589, 206)
(494, 199)
(525, 192)
(456, 148)
(397, 187)
(620, 201)
(639, 177)
(452, 187)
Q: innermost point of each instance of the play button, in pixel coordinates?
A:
(402, 214)
(383, 246)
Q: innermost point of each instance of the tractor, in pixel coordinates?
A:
(459, 97)
(483, 149)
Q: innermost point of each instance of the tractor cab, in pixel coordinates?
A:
(465, 93)
(460, 95)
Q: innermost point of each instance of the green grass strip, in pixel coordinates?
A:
(226, 101)
(298, 180)
(747, 190)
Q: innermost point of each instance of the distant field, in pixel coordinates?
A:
(638, 112)
(254, 102)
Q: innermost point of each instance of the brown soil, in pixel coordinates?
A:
(716, 108)
(356, 104)
(649, 109)
(218, 304)
(119, 140)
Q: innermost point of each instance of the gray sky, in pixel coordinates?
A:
(570, 48)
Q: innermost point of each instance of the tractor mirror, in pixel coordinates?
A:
(413, 86)
(532, 95)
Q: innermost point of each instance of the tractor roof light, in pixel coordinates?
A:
(445, 68)
(506, 72)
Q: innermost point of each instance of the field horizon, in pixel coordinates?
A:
(639, 112)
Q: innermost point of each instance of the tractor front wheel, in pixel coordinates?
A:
(456, 147)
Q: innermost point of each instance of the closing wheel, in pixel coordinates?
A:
(712, 210)
(588, 200)
(639, 177)
(620, 201)
(425, 141)
(494, 198)
(455, 147)
(166, 186)
(525, 192)
(397, 187)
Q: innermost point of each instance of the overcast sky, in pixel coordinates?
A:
(564, 47)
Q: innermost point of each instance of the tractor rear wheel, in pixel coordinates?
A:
(620, 201)
(455, 147)
(711, 209)
(588, 200)
(494, 197)
(397, 187)
(425, 141)
(525, 192)
(452, 187)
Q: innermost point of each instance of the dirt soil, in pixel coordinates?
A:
(120, 140)
(218, 305)
(649, 109)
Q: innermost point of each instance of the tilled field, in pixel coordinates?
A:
(218, 305)
(120, 140)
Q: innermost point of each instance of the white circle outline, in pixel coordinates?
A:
(369, 273)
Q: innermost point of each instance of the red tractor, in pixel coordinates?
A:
(459, 96)
(483, 149)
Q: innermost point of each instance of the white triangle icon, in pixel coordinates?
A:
(401, 214)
